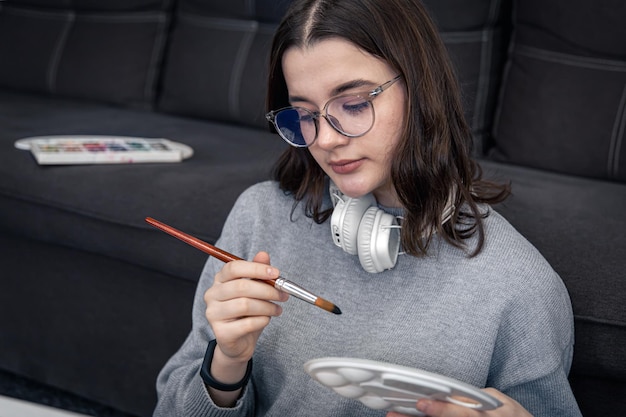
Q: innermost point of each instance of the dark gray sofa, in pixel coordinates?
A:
(94, 301)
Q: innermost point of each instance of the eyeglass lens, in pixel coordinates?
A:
(349, 115)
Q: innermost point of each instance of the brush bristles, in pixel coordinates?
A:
(327, 305)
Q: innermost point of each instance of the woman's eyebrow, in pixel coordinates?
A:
(341, 88)
(351, 85)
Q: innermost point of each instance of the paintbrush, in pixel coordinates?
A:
(280, 283)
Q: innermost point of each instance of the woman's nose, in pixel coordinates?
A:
(327, 136)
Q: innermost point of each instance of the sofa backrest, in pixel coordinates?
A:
(563, 102)
(476, 34)
(217, 59)
(209, 58)
(103, 50)
(216, 66)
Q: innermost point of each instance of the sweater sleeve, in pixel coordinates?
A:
(180, 389)
(534, 350)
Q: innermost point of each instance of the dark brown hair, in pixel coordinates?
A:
(433, 158)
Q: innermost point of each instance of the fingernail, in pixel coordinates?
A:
(272, 272)
(423, 405)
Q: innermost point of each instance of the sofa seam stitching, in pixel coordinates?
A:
(157, 48)
(591, 319)
(457, 37)
(571, 60)
(619, 126)
(237, 70)
(504, 81)
(229, 24)
(124, 17)
(251, 6)
(483, 82)
(55, 60)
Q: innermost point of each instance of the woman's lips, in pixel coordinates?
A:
(346, 166)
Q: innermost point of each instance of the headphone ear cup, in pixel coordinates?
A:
(378, 241)
(366, 229)
(345, 221)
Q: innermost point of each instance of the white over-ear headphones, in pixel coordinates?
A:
(360, 228)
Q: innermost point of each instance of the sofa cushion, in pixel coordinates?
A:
(95, 5)
(216, 67)
(109, 52)
(579, 227)
(563, 104)
(476, 35)
(101, 208)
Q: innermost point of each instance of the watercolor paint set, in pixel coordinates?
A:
(96, 149)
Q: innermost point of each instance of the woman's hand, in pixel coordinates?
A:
(238, 309)
(510, 408)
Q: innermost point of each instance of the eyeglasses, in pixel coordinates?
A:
(351, 115)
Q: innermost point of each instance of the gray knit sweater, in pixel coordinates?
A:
(501, 319)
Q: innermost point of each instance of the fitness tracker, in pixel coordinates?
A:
(205, 372)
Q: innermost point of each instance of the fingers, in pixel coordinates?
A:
(239, 336)
(240, 304)
(510, 408)
(258, 269)
(262, 257)
(514, 408)
(247, 288)
(231, 297)
(242, 298)
(442, 409)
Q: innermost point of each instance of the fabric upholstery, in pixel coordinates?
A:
(476, 35)
(89, 207)
(106, 54)
(96, 326)
(113, 292)
(95, 5)
(563, 105)
(217, 62)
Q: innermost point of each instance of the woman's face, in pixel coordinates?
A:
(316, 73)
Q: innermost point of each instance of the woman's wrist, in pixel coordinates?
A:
(220, 373)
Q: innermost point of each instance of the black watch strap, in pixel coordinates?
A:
(205, 372)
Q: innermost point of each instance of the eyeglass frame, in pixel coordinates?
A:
(371, 95)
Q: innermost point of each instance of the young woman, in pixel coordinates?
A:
(364, 92)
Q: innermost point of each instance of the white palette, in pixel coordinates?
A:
(384, 386)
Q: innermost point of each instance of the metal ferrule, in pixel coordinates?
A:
(295, 290)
